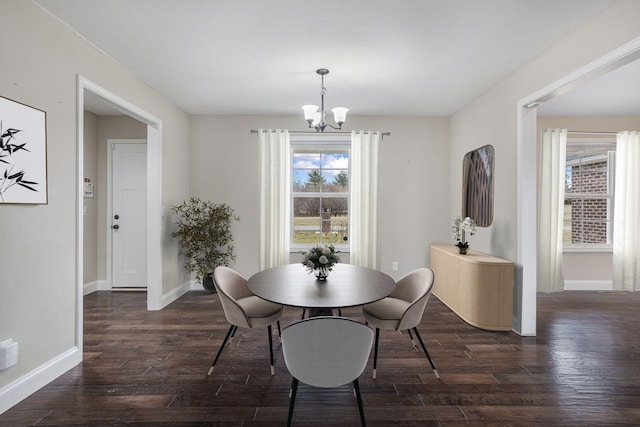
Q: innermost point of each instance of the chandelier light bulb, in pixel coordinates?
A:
(309, 112)
(339, 115)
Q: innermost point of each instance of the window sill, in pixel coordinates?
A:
(297, 248)
(588, 249)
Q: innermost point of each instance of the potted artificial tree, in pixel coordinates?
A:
(204, 233)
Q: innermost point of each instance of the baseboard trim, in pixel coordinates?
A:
(588, 285)
(96, 285)
(18, 390)
(176, 293)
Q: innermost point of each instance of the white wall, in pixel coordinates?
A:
(38, 285)
(492, 118)
(414, 195)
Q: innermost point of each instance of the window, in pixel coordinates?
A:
(320, 192)
(588, 203)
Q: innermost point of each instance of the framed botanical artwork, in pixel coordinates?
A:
(23, 153)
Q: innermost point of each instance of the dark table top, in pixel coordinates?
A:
(347, 286)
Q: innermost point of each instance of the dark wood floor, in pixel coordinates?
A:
(149, 368)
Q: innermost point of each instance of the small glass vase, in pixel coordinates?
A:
(321, 273)
(463, 248)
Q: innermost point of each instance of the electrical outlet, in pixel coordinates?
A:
(8, 353)
(395, 266)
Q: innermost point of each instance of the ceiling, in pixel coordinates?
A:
(405, 58)
(609, 95)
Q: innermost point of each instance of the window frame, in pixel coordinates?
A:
(584, 144)
(318, 143)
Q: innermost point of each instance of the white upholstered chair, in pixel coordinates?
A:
(243, 309)
(326, 351)
(402, 310)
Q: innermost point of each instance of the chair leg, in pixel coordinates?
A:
(356, 387)
(273, 369)
(435, 371)
(304, 311)
(375, 353)
(232, 330)
(292, 399)
(413, 341)
(279, 329)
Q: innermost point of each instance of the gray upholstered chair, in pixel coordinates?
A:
(402, 310)
(243, 309)
(326, 351)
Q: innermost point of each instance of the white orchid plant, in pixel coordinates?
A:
(460, 227)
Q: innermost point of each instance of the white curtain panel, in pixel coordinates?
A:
(551, 210)
(626, 217)
(275, 198)
(363, 212)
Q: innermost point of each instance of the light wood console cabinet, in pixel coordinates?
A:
(476, 286)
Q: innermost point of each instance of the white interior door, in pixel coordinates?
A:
(129, 213)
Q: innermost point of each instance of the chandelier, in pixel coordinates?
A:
(315, 117)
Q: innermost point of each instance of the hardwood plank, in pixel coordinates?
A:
(149, 369)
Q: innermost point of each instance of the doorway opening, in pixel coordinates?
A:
(527, 205)
(89, 90)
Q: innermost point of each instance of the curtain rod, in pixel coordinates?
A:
(586, 132)
(319, 133)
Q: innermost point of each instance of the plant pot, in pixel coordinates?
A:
(463, 248)
(207, 283)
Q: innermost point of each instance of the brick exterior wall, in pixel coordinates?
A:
(589, 178)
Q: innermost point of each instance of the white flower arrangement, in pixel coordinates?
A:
(320, 258)
(459, 228)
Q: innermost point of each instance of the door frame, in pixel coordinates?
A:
(154, 196)
(109, 239)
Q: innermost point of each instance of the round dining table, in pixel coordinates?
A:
(346, 286)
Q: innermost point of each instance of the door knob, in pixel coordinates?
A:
(115, 227)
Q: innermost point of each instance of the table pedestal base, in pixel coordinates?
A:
(315, 312)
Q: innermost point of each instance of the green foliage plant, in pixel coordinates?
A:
(204, 234)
